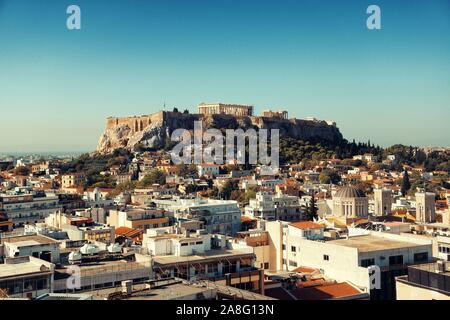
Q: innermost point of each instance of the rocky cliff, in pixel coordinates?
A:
(152, 131)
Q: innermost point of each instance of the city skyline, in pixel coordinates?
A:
(388, 86)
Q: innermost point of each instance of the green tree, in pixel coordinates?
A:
(406, 184)
(329, 176)
(153, 177)
(311, 209)
(184, 170)
(228, 188)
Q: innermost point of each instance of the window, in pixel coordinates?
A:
(212, 268)
(443, 249)
(292, 263)
(421, 256)
(184, 244)
(367, 262)
(283, 247)
(266, 265)
(293, 249)
(395, 260)
(326, 257)
(199, 242)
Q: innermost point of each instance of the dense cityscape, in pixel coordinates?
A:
(336, 220)
(224, 158)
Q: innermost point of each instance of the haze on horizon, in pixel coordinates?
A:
(311, 58)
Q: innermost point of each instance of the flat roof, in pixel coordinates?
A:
(368, 243)
(166, 292)
(32, 240)
(211, 254)
(22, 268)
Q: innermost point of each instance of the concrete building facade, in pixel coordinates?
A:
(383, 202)
(425, 207)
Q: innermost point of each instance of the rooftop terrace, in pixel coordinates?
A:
(368, 243)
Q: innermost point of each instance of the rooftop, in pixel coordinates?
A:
(22, 266)
(306, 225)
(33, 240)
(211, 254)
(170, 291)
(328, 291)
(368, 243)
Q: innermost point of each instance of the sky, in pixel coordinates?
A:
(311, 58)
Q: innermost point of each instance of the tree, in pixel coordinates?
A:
(153, 177)
(311, 209)
(329, 176)
(21, 171)
(213, 192)
(228, 188)
(406, 184)
(183, 170)
(324, 178)
(124, 186)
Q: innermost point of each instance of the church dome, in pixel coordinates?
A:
(349, 192)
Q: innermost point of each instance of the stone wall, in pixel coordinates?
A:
(135, 123)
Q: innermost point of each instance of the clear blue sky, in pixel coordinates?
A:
(312, 58)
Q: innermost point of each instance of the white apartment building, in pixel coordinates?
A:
(288, 208)
(346, 259)
(162, 242)
(218, 216)
(97, 198)
(37, 246)
(262, 207)
(274, 207)
(27, 208)
(207, 169)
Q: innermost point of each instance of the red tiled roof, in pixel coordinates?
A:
(246, 219)
(328, 291)
(311, 283)
(305, 225)
(304, 270)
(122, 230)
(128, 232)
